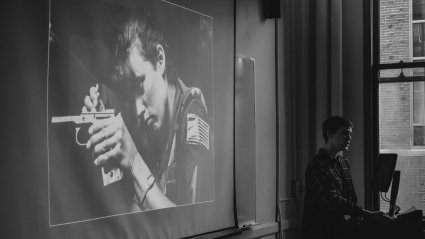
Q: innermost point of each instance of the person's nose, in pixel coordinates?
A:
(140, 108)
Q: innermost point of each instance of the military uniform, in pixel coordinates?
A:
(185, 172)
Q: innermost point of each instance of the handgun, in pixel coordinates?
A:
(82, 119)
(85, 118)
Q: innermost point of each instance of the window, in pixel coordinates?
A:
(418, 25)
(418, 46)
(399, 70)
(418, 114)
(418, 39)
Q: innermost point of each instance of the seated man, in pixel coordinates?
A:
(329, 190)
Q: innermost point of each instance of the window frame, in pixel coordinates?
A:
(413, 124)
(373, 66)
(414, 59)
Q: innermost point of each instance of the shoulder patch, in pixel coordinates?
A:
(195, 91)
(198, 131)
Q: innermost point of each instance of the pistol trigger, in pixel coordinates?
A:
(76, 137)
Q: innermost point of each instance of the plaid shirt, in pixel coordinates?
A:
(329, 195)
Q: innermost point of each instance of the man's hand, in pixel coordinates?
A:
(377, 217)
(92, 103)
(111, 142)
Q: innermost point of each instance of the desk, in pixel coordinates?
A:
(405, 229)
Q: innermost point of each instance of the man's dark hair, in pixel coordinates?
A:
(140, 31)
(333, 124)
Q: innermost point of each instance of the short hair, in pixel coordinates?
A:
(139, 31)
(333, 124)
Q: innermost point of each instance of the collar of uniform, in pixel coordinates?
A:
(174, 124)
(180, 89)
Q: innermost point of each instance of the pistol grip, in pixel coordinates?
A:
(111, 176)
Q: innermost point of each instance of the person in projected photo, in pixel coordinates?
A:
(329, 189)
(166, 150)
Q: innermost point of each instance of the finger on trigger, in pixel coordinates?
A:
(94, 94)
(93, 91)
(88, 103)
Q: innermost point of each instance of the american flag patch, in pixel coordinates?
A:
(198, 131)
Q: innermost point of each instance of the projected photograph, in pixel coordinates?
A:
(130, 108)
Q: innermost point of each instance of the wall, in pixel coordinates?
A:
(255, 38)
(353, 88)
(395, 99)
(295, 97)
(24, 54)
(395, 116)
(328, 80)
(394, 31)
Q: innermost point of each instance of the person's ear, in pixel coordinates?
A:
(160, 63)
(329, 133)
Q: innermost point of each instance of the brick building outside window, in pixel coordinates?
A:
(402, 104)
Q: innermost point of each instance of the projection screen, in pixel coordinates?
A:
(131, 122)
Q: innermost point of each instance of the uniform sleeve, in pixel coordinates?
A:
(328, 195)
(197, 153)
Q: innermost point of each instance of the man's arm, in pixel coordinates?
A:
(148, 196)
(196, 151)
(331, 199)
(111, 143)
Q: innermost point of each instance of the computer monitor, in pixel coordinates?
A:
(384, 171)
(394, 191)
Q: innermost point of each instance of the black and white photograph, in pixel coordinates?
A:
(205, 119)
(130, 108)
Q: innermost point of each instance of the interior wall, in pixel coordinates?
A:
(24, 55)
(326, 71)
(297, 101)
(353, 88)
(255, 39)
(321, 64)
(337, 77)
(295, 128)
